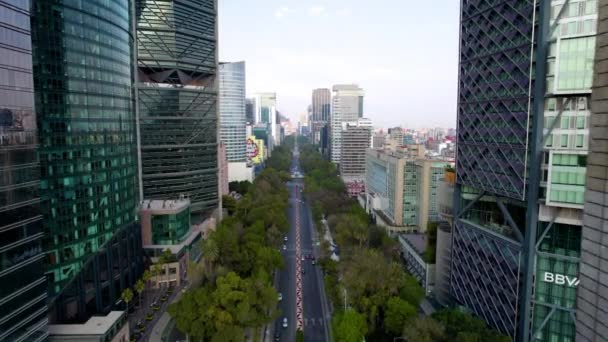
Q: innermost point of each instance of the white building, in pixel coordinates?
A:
(347, 106)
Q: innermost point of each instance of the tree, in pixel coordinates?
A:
(127, 296)
(411, 291)
(156, 269)
(139, 288)
(397, 313)
(146, 276)
(424, 329)
(349, 326)
(229, 203)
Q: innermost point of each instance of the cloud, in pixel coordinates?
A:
(281, 12)
(317, 11)
(344, 12)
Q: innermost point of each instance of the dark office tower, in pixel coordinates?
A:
(592, 301)
(250, 110)
(321, 109)
(523, 118)
(22, 280)
(88, 156)
(177, 63)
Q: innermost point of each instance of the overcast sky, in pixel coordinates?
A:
(404, 54)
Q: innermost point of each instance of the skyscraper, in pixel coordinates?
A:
(347, 106)
(522, 127)
(356, 139)
(250, 110)
(232, 110)
(23, 289)
(88, 153)
(321, 109)
(178, 115)
(266, 113)
(591, 323)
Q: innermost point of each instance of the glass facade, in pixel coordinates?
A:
(232, 110)
(23, 290)
(177, 100)
(170, 229)
(557, 268)
(82, 62)
(411, 191)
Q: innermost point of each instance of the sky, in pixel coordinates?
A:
(404, 54)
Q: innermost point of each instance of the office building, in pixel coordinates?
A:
(250, 110)
(347, 106)
(222, 168)
(592, 294)
(266, 114)
(395, 135)
(356, 139)
(521, 163)
(232, 110)
(401, 187)
(23, 290)
(177, 101)
(320, 112)
(378, 140)
(443, 253)
(88, 153)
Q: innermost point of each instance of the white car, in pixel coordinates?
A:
(284, 247)
(280, 296)
(285, 322)
(285, 239)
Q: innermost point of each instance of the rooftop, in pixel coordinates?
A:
(165, 206)
(419, 241)
(96, 325)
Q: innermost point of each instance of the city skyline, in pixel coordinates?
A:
(291, 56)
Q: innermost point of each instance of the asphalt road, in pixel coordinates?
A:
(316, 315)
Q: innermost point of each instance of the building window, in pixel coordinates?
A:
(549, 141)
(551, 104)
(579, 140)
(563, 140)
(565, 122)
(580, 122)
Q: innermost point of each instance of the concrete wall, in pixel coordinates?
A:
(592, 301)
(239, 172)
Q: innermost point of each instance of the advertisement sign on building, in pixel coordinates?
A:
(255, 150)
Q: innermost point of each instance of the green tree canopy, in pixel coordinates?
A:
(349, 326)
(397, 313)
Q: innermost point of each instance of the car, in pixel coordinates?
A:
(155, 306)
(164, 298)
(313, 261)
(284, 247)
(302, 258)
(149, 316)
(284, 322)
(285, 239)
(280, 296)
(277, 335)
(303, 272)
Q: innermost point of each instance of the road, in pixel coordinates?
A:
(315, 315)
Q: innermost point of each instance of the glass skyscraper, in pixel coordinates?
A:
(88, 154)
(177, 100)
(347, 106)
(523, 125)
(232, 110)
(23, 284)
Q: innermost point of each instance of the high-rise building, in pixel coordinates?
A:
(320, 112)
(521, 163)
(592, 294)
(232, 110)
(347, 106)
(378, 140)
(177, 100)
(356, 139)
(250, 110)
(395, 135)
(23, 289)
(83, 84)
(266, 113)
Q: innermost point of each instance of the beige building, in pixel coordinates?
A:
(401, 186)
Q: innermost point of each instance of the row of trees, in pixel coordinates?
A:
(143, 284)
(371, 292)
(236, 296)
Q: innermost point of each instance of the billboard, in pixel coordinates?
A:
(255, 150)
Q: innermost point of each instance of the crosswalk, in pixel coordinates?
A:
(314, 322)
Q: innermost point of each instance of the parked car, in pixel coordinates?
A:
(284, 322)
(280, 296)
(284, 247)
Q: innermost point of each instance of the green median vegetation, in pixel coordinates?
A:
(236, 297)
